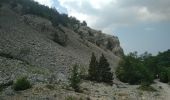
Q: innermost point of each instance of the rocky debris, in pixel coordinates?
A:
(9, 91)
(37, 22)
(45, 26)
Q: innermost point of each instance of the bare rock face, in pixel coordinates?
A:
(100, 39)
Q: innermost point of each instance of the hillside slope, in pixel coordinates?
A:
(34, 41)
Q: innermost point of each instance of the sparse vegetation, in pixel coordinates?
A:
(10, 56)
(21, 84)
(50, 86)
(23, 52)
(76, 98)
(71, 98)
(146, 87)
(75, 79)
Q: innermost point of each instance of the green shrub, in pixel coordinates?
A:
(164, 76)
(22, 84)
(146, 87)
(49, 86)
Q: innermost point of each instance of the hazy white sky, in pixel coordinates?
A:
(141, 25)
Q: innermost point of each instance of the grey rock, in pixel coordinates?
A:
(9, 92)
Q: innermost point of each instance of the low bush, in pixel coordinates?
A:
(49, 86)
(146, 87)
(22, 84)
(71, 98)
(163, 77)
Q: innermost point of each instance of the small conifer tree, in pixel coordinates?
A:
(104, 71)
(93, 68)
(75, 78)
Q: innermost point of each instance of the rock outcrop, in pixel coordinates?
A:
(102, 40)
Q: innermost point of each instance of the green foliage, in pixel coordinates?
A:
(136, 69)
(83, 72)
(164, 75)
(21, 84)
(104, 71)
(75, 78)
(93, 68)
(163, 66)
(50, 86)
(100, 72)
(163, 59)
(132, 70)
(34, 8)
(71, 98)
(146, 87)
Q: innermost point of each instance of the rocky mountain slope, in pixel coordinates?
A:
(32, 46)
(29, 42)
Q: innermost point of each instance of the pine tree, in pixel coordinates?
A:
(75, 78)
(104, 71)
(93, 68)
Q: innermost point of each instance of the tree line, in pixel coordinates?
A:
(32, 7)
(135, 69)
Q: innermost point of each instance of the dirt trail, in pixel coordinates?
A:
(165, 89)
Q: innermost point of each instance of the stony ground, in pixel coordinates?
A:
(90, 91)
